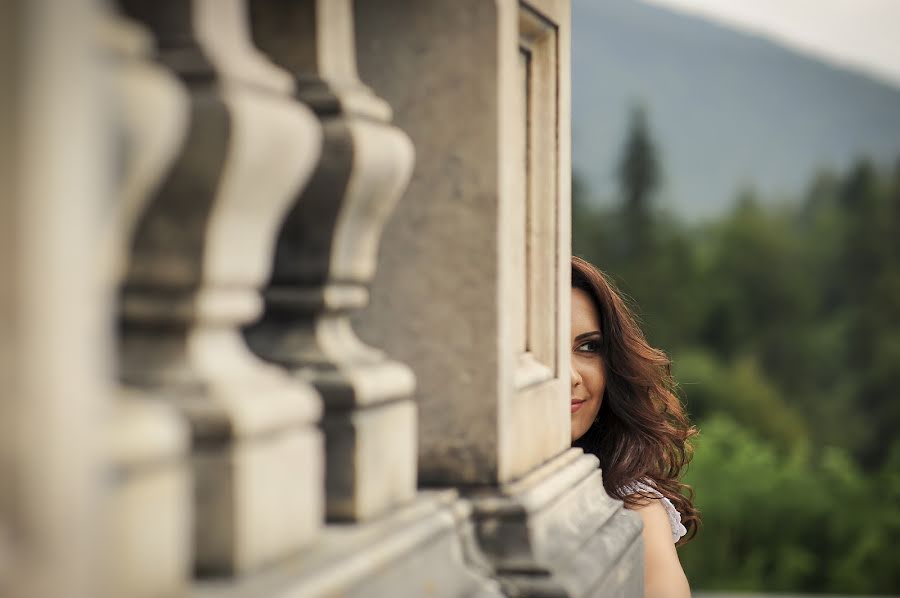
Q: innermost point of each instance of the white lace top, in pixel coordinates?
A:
(678, 529)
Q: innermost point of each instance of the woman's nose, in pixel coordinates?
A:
(576, 376)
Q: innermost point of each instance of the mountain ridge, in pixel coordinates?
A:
(727, 108)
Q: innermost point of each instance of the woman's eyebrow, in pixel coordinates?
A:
(587, 334)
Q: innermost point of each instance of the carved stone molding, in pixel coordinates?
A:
(325, 260)
(201, 250)
(557, 533)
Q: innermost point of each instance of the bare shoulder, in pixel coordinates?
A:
(664, 577)
(656, 522)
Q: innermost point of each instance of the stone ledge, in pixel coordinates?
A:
(557, 533)
(416, 550)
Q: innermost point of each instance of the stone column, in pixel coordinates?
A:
(148, 507)
(54, 335)
(201, 250)
(473, 291)
(325, 259)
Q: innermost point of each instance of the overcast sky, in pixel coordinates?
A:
(861, 34)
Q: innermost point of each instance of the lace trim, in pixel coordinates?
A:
(678, 529)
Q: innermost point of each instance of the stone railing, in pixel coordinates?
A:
(285, 303)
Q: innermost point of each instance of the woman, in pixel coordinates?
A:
(625, 411)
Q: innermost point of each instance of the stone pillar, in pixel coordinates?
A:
(201, 250)
(325, 258)
(54, 335)
(473, 291)
(145, 555)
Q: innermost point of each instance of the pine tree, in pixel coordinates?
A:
(639, 177)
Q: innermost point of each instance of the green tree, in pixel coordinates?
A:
(639, 177)
(868, 275)
(784, 323)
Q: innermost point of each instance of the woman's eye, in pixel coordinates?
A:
(588, 347)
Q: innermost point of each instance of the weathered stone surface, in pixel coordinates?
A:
(434, 296)
(557, 533)
(445, 297)
(416, 550)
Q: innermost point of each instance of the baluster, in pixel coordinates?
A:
(201, 250)
(54, 338)
(325, 260)
(145, 556)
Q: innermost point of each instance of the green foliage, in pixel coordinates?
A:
(784, 522)
(783, 320)
(740, 390)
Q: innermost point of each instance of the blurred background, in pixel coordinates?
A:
(736, 170)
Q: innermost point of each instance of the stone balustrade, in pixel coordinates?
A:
(285, 304)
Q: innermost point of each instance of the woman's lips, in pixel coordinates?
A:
(576, 405)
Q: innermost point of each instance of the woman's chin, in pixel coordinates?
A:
(578, 429)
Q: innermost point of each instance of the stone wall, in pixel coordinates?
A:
(285, 303)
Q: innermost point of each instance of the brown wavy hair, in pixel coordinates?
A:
(641, 432)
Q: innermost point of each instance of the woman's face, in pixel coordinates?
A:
(588, 369)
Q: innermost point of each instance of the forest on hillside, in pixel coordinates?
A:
(782, 319)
